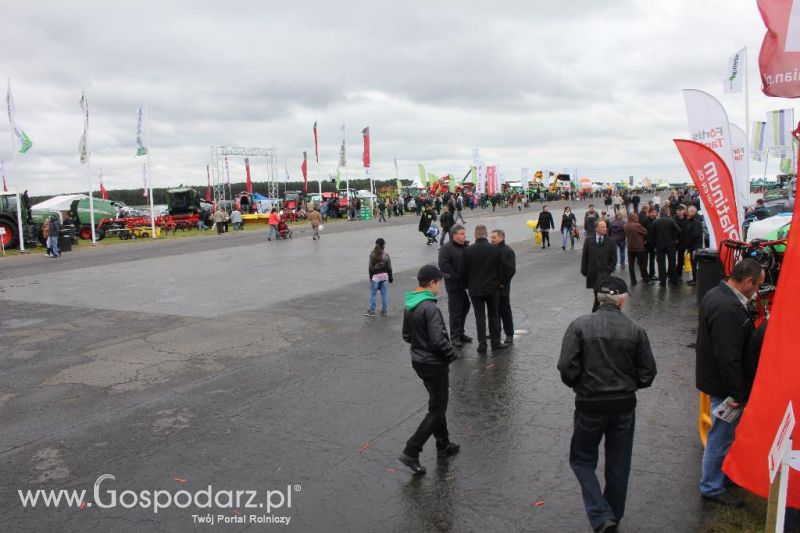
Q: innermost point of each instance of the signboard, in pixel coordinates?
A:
(781, 443)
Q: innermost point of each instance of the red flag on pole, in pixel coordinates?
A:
(775, 384)
(103, 191)
(247, 169)
(714, 182)
(208, 189)
(365, 157)
(316, 143)
(304, 168)
(779, 59)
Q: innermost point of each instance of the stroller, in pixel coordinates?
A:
(284, 232)
(432, 234)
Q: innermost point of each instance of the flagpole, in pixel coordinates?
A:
(88, 169)
(19, 197)
(747, 117)
(149, 175)
(346, 175)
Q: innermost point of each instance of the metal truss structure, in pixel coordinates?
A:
(219, 179)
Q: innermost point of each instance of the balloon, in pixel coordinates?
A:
(532, 224)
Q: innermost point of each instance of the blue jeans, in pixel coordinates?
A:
(273, 228)
(602, 505)
(374, 287)
(566, 235)
(720, 438)
(621, 251)
(52, 242)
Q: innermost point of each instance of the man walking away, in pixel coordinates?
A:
(236, 219)
(431, 355)
(635, 235)
(650, 243)
(482, 260)
(447, 222)
(459, 209)
(665, 234)
(453, 266)
(682, 222)
(599, 259)
(315, 218)
(605, 358)
(381, 211)
(545, 225)
(724, 370)
(508, 267)
(693, 237)
(589, 220)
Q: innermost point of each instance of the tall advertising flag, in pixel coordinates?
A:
(714, 182)
(3, 172)
(342, 152)
(247, 172)
(208, 187)
(757, 151)
(141, 147)
(491, 180)
(741, 179)
(316, 143)
(423, 176)
(365, 157)
(145, 179)
(23, 142)
(779, 59)
(779, 131)
(774, 386)
(734, 75)
(83, 146)
(304, 168)
(103, 191)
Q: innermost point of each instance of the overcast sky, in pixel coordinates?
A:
(586, 85)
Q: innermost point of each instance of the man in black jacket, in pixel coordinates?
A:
(666, 234)
(693, 237)
(722, 350)
(508, 267)
(599, 258)
(545, 225)
(446, 221)
(431, 355)
(682, 222)
(453, 266)
(482, 260)
(605, 358)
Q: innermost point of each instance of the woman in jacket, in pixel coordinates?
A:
(380, 275)
(568, 225)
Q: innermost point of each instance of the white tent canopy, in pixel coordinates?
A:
(363, 193)
(60, 203)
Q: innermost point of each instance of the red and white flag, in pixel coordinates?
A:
(316, 143)
(103, 191)
(208, 188)
(247, 170)
(779, 60)
(304, 168)
(365, 157)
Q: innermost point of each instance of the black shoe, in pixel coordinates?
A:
(481, 348)
(499, 346)
(609, 526)
(509, 339)
(691, 283)
(466, 338)
(647, 280)
(662, 283)
(633, 282)
(449, 451)
(457, 342)
(725, 498)
(412, 463)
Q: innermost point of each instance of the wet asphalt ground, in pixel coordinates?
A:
(247, 365)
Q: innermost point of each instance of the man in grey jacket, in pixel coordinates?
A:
(605, 358)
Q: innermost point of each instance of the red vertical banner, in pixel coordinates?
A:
(208, 188)
(103, 191)
(779, 59)
(304, 168)
(714, 182)
(247, 170)
(316, 143)
(366, 157)
(491, 180)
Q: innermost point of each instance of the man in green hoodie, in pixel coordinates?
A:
(431, 355)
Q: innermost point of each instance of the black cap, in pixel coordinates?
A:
(429, 273)
(613, 286)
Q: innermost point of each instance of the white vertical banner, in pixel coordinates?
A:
(741, 179)
(708, 124)
(480, 187)
(734, 74)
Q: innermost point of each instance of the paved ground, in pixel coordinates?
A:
(242, 364)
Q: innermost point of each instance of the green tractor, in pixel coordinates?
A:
(80, 216)
(32, 221)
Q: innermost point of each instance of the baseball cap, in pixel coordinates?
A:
(429, 273)
(613, 286)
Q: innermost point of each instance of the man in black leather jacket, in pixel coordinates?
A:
(431, 355)
(605, 358)
(451, 262)
(482, 259)
(508, 267)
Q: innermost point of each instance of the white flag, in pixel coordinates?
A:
(734, 76)
(146, 179)
(83, 148)
(22, 140)
(141, 148)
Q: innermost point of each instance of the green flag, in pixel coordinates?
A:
(423, 179)
(432, 178)
(338, 175)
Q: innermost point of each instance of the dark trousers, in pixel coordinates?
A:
(504, 308)
(666, 271)
(651, 262)
(457, 308)
(437, 381)
(545, 237)
(679, 262)
(589, 429)
(633, 258)
(481, 304)
(445, 233)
